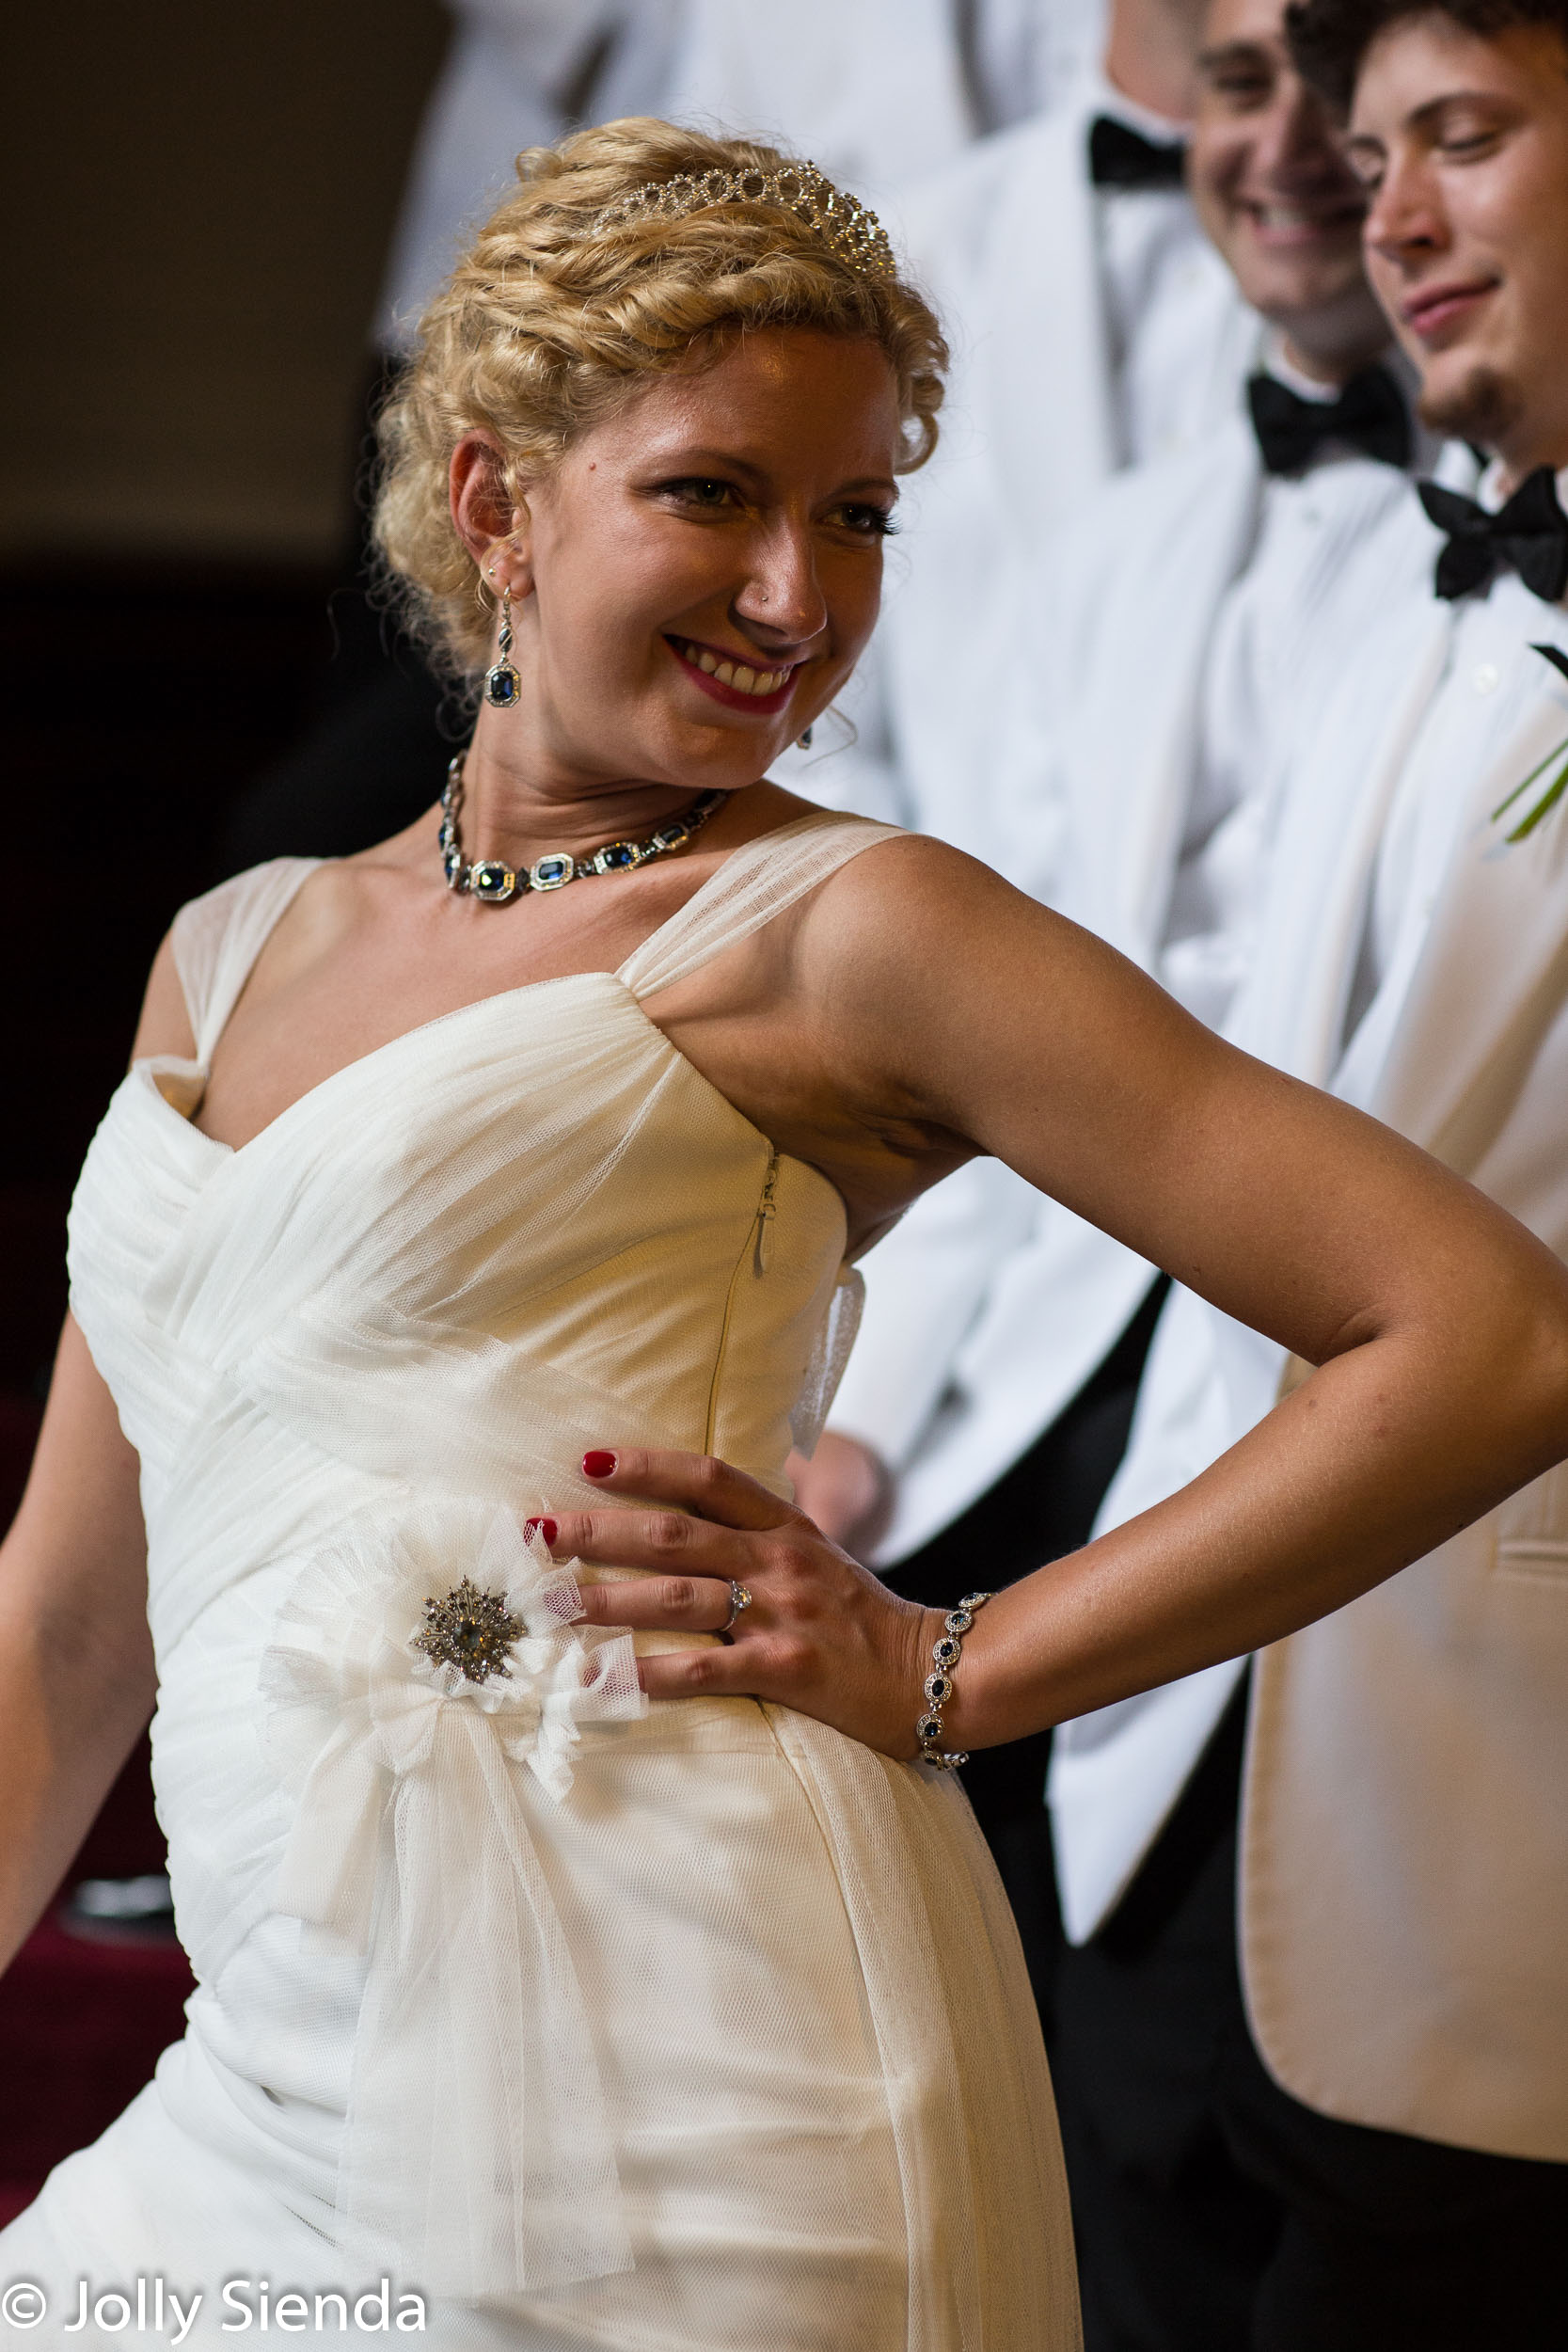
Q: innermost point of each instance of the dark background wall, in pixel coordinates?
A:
(197, 201)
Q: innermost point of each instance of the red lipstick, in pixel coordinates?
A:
(734, 697)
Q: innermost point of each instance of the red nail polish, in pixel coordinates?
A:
(597, 1465)
(546, 1528)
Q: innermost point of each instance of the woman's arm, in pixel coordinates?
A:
(76, 1677)
(76, 1674)
(1440, 1327)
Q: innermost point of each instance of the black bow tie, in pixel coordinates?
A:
(1528, 535)
(1369, 415)
(1120, 157)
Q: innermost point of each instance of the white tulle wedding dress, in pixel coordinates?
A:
(690, 2028)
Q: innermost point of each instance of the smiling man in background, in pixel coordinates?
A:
(1168, 645)
(1092, 328)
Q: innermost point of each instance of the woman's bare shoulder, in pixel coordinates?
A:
(322, 912)
(940, 991)
(330, 911)
(916, 897)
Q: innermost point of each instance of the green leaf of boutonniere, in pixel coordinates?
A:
(1559, 783)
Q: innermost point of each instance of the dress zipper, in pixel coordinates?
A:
(766, 1211)
(762, 1253)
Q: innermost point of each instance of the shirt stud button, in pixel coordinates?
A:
(1485, 679)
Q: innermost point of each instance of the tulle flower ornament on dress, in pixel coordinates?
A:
(414, 1667)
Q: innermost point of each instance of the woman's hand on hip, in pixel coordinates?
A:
(821, 1634)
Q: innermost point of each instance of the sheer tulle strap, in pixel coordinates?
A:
(217, 938)
(754, 883)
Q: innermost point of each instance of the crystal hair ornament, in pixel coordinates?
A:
(838, 221)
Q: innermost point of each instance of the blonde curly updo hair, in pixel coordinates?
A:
(553, 318)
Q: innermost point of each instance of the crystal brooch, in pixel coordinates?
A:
(470, 1630)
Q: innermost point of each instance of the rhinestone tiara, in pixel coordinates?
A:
(841, 223)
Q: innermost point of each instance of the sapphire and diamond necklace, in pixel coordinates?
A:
(492, 880)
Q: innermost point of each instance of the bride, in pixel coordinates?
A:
(458, 1186)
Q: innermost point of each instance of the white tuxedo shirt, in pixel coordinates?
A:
(1404, 1880)
(1176, 625)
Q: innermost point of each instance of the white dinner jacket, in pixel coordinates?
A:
(1007, 242)
(1404, 1878)
(516, 73)
(990, 1305)
(876, 94)
(882, 93)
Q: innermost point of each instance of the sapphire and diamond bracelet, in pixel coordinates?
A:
(945, 1653)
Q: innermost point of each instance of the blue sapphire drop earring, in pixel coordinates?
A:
(503, 685)
(803, 739)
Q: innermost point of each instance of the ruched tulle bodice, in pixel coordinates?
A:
(437, 1246)
(468, 1954)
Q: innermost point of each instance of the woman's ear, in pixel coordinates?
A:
(497, 533)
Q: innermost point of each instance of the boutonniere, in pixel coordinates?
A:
(1559, 783)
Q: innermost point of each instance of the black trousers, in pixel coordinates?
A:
(1216, 2213)
(1040, 1509)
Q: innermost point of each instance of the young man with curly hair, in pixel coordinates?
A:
(1314, 2039)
